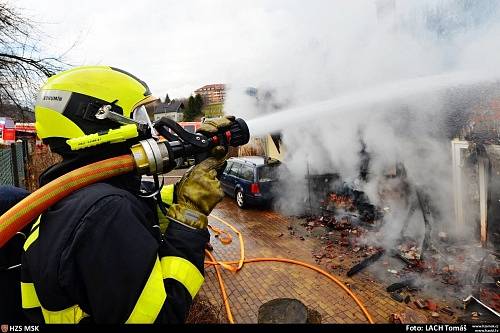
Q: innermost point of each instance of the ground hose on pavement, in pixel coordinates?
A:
(222, 289)
(230, 266)
(242, 246)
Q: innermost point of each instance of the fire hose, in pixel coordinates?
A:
(229, 265)
(37, 202)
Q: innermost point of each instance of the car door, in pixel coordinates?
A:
(246, 177)
(224, 178)
(231, 178)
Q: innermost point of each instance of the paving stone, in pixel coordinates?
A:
(258, 283)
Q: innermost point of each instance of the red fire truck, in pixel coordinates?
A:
(7, 131)
(10, 131)
(26, 128)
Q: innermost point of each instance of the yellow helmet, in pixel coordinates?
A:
(68, 102)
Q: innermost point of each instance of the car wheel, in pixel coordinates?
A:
(240, 199)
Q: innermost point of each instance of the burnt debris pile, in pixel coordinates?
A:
(427, 272)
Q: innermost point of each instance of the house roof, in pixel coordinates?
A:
(216, 86)
(175, 106)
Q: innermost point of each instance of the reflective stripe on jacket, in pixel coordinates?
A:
(95, 256)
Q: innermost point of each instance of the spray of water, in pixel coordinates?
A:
(359, 100)
(394, 78)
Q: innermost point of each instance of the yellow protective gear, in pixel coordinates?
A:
(199, 190)
(212, 126)
(68, 102)
(197, 193)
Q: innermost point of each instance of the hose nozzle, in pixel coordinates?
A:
(236, 135)
(152, 157)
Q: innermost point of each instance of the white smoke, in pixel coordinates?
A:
(316, 52)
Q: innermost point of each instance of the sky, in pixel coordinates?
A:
(179, 46)
(174, 46)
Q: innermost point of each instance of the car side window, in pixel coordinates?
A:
(246, 173)
(228, 167)
(234, 169)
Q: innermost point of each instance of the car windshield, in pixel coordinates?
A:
(268, 173)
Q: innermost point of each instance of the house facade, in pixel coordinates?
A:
(211, 93)
(173, 110)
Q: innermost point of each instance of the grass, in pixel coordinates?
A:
(213, 110)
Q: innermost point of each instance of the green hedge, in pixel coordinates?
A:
(213, 110)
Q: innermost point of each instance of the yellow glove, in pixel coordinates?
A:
(198, 192)
(212, 126)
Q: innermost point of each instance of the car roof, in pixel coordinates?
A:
(255, 160)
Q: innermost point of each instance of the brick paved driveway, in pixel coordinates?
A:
(266, 235)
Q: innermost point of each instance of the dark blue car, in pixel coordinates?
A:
(250, 179)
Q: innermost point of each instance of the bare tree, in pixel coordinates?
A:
(22, 64)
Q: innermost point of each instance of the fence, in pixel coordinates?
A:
(40, 158)
(12, 164)
(22, 163)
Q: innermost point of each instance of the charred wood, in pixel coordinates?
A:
(365, 263)
(398, 286)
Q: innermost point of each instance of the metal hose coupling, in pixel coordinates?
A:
(154, 157)
(151, 157)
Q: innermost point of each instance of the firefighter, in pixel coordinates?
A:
(98, 255)
(10, 258)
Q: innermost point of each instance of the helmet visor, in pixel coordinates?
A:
(141, 116)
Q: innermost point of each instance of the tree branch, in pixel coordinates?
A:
(22, 66)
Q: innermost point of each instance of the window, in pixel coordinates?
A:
(235, 168)
(246, 173)
(268, 173)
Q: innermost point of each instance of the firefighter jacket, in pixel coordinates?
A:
(99, 256)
